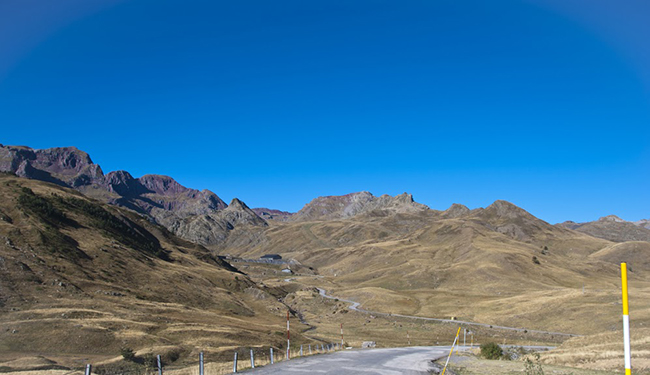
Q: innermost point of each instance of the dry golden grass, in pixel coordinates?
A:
(471, 365)
(604, 351)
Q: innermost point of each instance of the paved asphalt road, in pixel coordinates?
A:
(392, 361)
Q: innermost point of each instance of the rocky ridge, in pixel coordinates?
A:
(612, 228)
(160, 198)
(349, 205)
(214, 228)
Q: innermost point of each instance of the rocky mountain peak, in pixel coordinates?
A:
(66, 166)
(507, 210)
(163, 185)
(122, 183)
(63, 158)
(612, 218)
(456, 210)
(349, 205)
(236, 204)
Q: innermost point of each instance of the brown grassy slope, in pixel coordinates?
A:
(79, 278)
(478, 266)
(605, 350)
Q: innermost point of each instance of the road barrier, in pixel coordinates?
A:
(258, 357)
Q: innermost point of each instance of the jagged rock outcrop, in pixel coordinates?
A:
(214, 228)
(346, 206)
(65, 166)
(612, 228)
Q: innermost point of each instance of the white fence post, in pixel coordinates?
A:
(234, 366)
(201, 368)
(159, 365)
(252, 359)
(89, 369)
(271, 355)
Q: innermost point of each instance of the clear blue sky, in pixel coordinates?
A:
(544, 103)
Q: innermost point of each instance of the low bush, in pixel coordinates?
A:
(491, 350)
(127, 353)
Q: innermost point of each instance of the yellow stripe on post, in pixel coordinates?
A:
(450, 352)
(626, 321)
(626, 308)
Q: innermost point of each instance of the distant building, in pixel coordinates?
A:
(272, 256)
(368, 344)
(287, 270)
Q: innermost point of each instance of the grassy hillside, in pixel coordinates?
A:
(79, 278)
(498, 265)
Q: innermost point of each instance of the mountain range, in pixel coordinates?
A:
(150, 239)
(203, 217)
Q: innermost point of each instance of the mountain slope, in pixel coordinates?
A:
(159, 197)
(214, 228)
(497, 265)
(95, 278)
(611, 228)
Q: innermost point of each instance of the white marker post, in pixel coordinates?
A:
(341, 335)
(408, 337)
(451, 351)
(464, 336)
(288, 338)
(626, 320)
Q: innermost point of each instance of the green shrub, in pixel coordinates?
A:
(491, 350)
(41, 207)
(127, 353)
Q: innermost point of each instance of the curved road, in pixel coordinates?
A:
(355, 306)
(392, 361)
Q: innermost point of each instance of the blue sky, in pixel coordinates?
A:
(544, 103)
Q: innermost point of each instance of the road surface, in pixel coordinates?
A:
(392, 361)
